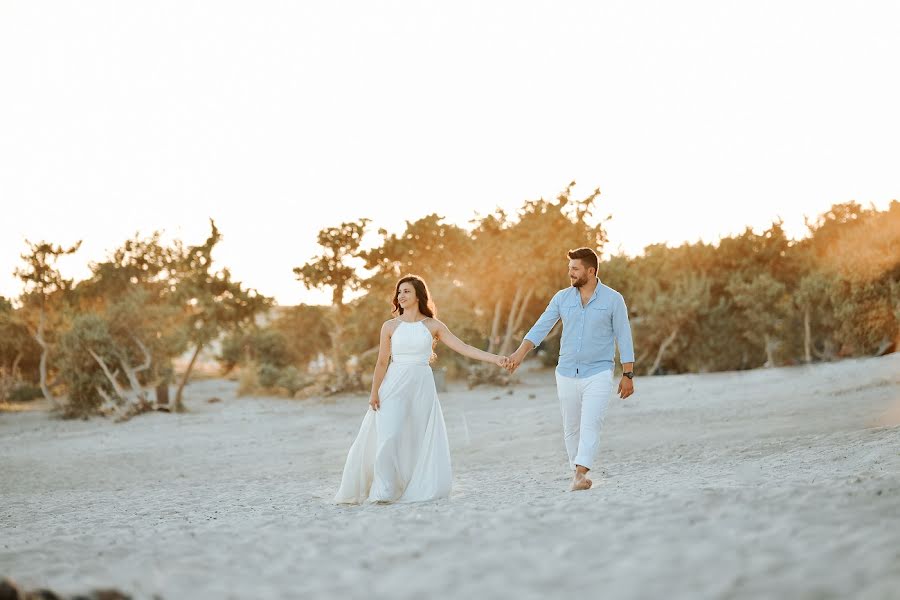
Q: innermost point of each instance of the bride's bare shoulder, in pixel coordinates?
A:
(390, 325)
(434, 325)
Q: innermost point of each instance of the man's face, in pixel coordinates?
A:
(579, 274)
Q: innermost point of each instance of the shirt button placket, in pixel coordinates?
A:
(581, 330)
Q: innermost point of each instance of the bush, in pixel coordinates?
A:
(78, 369)
(292, 380)
(25, 392)
(264, 346)
(271, 379)
(268, 375)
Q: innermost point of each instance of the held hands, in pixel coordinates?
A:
(502, 361)
(512, 363)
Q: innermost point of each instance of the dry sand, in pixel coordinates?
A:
(777, 483)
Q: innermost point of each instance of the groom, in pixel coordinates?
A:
(594, 316)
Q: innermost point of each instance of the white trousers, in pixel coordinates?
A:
(583, 405)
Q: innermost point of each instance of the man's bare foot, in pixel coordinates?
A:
(580, 482)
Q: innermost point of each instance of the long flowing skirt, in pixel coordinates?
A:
(401, 453)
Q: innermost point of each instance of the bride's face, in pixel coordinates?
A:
(406, 296)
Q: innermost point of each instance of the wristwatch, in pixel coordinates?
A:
(629, 374)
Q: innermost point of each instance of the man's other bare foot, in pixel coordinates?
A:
(581, 482)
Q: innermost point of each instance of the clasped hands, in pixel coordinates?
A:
(510, 363)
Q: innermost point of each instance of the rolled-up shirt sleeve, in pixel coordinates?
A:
(545, 322)
(622, 331)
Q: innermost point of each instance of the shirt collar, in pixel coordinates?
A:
(596, 289)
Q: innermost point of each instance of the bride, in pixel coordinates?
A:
(401, 453)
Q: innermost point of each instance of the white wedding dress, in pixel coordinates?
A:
(401, 453)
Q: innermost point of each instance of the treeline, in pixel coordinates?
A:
(750, 300)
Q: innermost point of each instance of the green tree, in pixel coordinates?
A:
(134, 288)
(861, 247)
(519, 260)
(19, 355)
(812, 299)
(668, 314)
(18, 350)
(331, 269)
(762, 301)
(305, 331)
(212, 302)
(42, 284)
(86, 384)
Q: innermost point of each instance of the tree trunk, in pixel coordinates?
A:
(162, 394)
(110, 376)
(662, 350)
(14, 371)
(340, 367)
(641, 358)
(338, 355)
(510, 321)
(770, 357)
(495, 326)
(179, 403)
(807, 345)
(131, 372)
(827, 353)
(337, 349)
(45, 350)
(110, 406)
(520, 318)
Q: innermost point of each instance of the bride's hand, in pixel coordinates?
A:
(374, 402)
(502, 361)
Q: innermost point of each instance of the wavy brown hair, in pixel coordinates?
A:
(587, 257)
(426, 305)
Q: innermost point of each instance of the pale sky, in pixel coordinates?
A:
(277, 119)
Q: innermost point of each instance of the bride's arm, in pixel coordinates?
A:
(454, 343)
(381, 364)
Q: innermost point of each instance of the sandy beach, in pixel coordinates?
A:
(781, 483)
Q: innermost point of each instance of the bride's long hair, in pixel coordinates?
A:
(426, 305)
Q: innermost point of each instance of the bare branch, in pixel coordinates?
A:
(112, 402)
(662, 350)
(147, 358)
(131, 375)
(495, 325)
(112, 379)
(520, 318)
(45, 351)
(510, 321)
(15, 365)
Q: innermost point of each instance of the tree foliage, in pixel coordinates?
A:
(757, 298)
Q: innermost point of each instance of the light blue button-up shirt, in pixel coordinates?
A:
(589, 331)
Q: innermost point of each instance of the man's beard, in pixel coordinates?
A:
(579, 282)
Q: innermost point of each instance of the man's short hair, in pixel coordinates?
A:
(586, 256)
